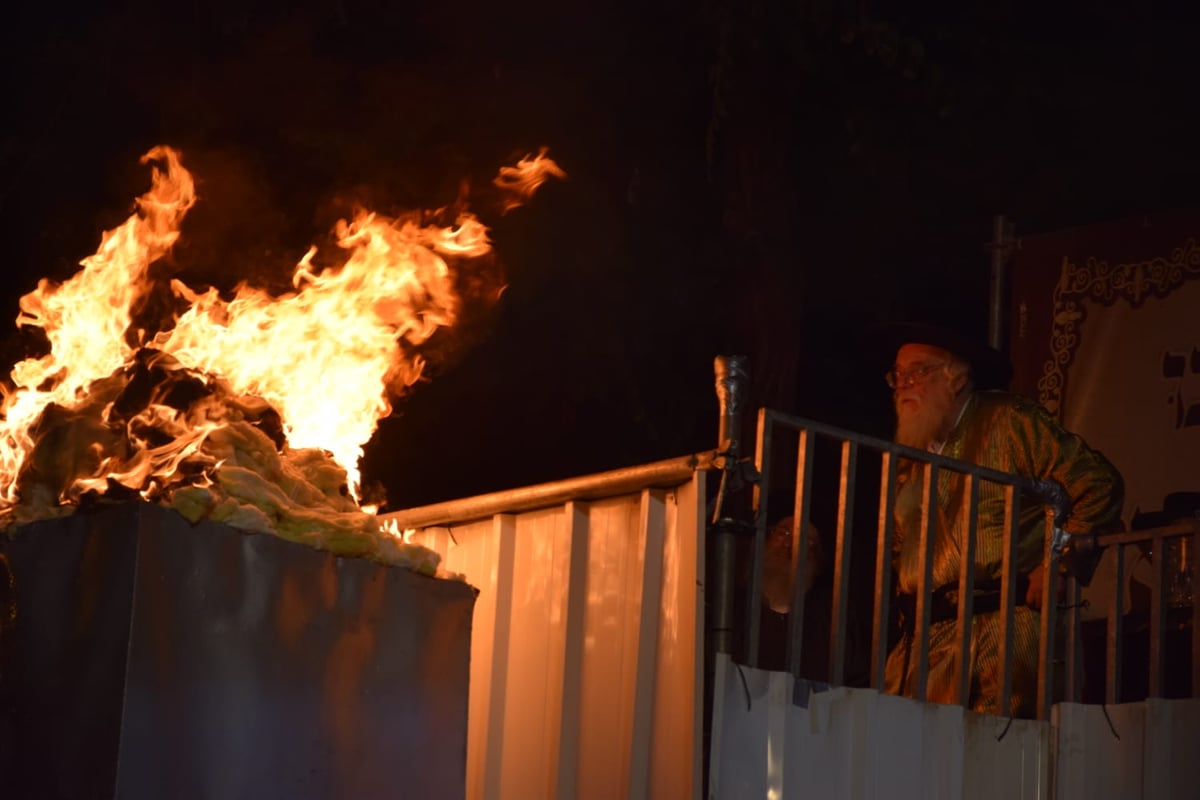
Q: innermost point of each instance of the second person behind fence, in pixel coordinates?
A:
(778, 570)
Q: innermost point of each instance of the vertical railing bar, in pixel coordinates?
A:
(966, 586)
(802, 511)
(841, 566)
(765, 434)
(1008, 586)
(1116, 623)
(1158, 585)
(883, 569)
(928, 528)
(1049, 621)
(1074, 643)
(760, 500)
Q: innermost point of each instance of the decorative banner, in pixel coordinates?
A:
(1106, 335)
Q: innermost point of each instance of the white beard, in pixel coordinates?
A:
(924, 421)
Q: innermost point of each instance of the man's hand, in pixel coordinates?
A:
(1033, 595)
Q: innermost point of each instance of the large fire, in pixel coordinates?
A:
(252, 411)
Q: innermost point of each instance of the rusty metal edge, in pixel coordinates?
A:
(658, 474)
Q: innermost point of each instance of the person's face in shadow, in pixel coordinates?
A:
(778, 568)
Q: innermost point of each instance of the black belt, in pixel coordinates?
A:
(943, 606)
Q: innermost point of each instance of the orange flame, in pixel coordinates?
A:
(86, 317)
(519, 182)
(325, 357)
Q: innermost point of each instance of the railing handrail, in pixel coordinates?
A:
(1032, 486)
(668, 472)
(1180, 527)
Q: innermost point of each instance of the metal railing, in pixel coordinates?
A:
(853, 450)
(1168, 593)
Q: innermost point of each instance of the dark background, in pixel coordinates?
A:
(768, 178)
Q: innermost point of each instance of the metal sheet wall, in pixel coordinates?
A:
(775, 737)
(1140, 751)
(772, 738)
(143, 656)
(587, 646)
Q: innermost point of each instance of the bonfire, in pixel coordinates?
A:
(252, 410)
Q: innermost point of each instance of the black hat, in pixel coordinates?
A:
(989, 368)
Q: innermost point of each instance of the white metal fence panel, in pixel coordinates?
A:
(1146, 750)
(859, 744)
(587, 646)
(770, 742)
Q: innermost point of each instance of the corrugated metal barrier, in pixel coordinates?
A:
(587, 645)
(780, 738)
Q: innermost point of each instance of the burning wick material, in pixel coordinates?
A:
(252, 411)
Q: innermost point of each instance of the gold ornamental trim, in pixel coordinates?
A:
(1096, 282)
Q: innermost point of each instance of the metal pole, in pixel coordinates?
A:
(732, 375)
(731, 379)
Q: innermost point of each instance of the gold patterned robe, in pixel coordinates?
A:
(1007, 433)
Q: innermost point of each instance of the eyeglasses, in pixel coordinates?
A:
(902, 379)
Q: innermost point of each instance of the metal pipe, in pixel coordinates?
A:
(660, 474)
(1158, 634)
(1074, 644)
(762, 511)
(841, 564)
(1008, 592)
(1182, 527)
(929, 496)
(731, 379)
(1116, 623)
(724, 553)
(966, 588)
(883, 569)
(801, 511)
(1048, 619)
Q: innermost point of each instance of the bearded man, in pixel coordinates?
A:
(947, 401)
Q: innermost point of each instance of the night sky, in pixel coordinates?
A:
(767, 178)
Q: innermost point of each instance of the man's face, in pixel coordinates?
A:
(777, 564)
(926, 388)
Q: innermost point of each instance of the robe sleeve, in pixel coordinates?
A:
(1094, 485)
